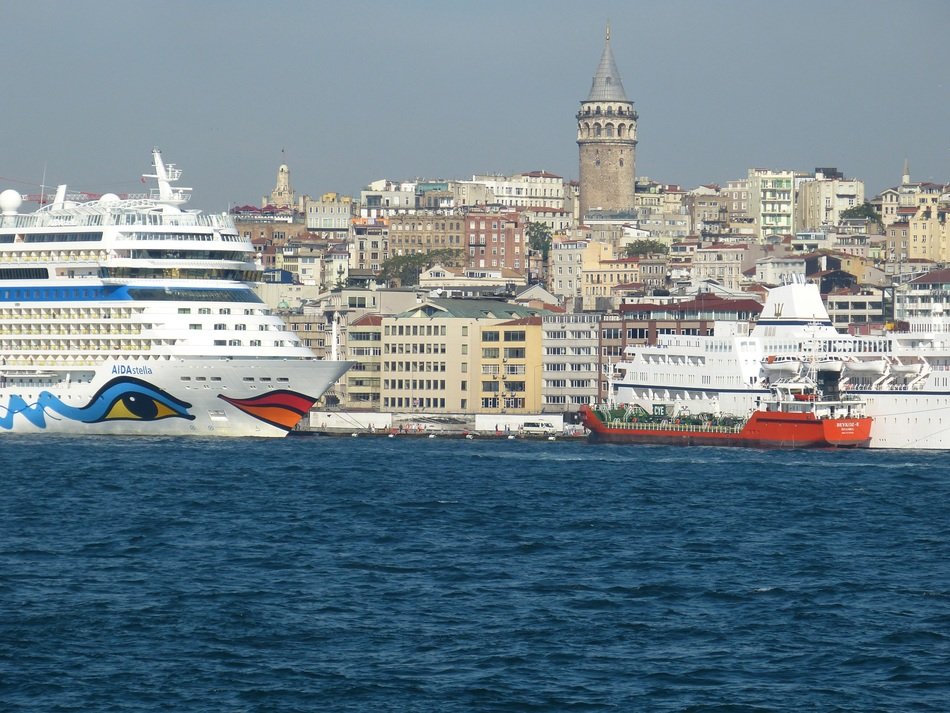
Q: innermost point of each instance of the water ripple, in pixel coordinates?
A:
(403, 575)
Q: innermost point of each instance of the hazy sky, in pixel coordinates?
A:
(354, 91)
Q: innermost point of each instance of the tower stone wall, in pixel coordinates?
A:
(607, 143)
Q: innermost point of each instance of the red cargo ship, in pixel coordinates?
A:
(795, 415)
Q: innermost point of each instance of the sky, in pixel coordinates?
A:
(346, 93)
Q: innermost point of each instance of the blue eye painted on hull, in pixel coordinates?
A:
(121, 399)
(129, 399)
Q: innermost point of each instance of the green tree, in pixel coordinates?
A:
(539, 239)
(865, 210)
(646, 247)
(405, 269)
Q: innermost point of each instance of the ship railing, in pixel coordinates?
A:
(670, 426)
(221, 221)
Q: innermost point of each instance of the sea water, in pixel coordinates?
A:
(398, 574)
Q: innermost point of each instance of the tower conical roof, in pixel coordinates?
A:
(607, 85)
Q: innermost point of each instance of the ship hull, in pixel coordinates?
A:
(762, 430)
(210, 397)
(900, 419)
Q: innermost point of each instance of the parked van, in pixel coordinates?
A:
(538, 427)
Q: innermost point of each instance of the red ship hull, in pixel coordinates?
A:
(764, 429)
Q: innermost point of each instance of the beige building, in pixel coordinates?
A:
(566, 267)
(425, 231)
(460, 278)
(723, 264)
(510, 373)
(369, 243)
(929, 236)
(662, 211)
(534, 189)
(433, 356)
(600, 283)
(820, 202)
(330, 216)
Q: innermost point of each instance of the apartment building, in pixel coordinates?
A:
(425, 231)
(385, 198)
(923, 297)
(432, 356)
(570, 362)
(361, 384)
(821, 200)
(510, 366)
(534, 189)
(369, 243)
(496, 239)
(723, 264)
(859, 306)
(772, 201)
(329, 216)
(566, 267)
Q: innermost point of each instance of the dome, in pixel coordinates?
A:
(10, 200)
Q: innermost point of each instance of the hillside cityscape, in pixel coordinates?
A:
(514, 294)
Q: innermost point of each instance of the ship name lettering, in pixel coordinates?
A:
(123, 369)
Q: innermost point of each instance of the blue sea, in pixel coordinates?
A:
(399, 574)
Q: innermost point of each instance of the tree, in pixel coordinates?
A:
(865, 210)
(539, 243)
(539, 239)
(646, 247)
(406, 269)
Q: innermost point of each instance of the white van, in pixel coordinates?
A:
(538, 427)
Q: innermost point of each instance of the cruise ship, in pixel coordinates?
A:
(903, 377)
(133, 315)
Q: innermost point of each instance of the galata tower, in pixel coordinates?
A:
(607, 142)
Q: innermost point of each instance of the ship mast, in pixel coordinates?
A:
(165, 176)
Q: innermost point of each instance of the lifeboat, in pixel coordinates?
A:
(898, 368)
(781, 366)
(874, 366)
(832, 365)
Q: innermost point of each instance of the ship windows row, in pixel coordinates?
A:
(52, 238)
(169, 236)
(55, 294)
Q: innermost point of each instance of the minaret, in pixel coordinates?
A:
(607, 142)
(905, 177)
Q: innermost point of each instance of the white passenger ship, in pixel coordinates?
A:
(134, 316)
(904, 377)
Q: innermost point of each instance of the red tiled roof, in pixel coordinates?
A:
(368, 320)
(936, 277)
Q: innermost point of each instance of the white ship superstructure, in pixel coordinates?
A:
(904, 377)
(133, 316)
